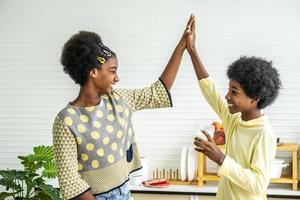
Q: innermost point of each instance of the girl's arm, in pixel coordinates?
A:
(169, 74)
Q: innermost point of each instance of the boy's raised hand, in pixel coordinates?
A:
(190, 34)
(183, 38)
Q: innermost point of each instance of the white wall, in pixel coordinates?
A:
(143, 33)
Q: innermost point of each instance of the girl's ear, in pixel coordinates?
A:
(94, 73)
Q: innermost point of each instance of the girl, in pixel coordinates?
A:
(93, 137)
(250, 140)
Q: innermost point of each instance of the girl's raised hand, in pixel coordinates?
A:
(190, 34)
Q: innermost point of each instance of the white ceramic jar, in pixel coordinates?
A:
(276, 168)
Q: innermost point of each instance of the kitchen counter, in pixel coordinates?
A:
(210, 188)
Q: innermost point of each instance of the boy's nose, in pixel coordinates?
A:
(227, 97)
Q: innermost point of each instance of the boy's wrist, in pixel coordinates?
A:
(222, 158)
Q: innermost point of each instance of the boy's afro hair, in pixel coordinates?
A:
(257, 77)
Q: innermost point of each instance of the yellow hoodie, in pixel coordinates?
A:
(250, 150)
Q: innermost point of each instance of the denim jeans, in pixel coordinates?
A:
(120, 193)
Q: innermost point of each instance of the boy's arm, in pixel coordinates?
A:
(209, 91)
(190, 37)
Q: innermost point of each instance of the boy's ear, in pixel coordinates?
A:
(255, 99)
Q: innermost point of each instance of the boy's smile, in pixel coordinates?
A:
(238, 101)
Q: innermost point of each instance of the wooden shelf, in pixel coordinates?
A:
(205, 176)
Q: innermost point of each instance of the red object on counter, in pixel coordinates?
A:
(156, 183)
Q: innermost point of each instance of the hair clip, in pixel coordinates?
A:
(105, 49)
(101, 59)
(107, 52)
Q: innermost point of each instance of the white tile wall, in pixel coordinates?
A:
(143, 33)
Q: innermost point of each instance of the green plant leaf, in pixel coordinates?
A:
(10, 178)
(50, 191)
(4, 195)
(43, 152)
(50, 170)
(37, 167)
(28, 162)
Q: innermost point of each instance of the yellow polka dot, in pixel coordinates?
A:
(79, 140)
(68, 121)
(95, 164)
(109, 106)
(89, 109)
(111, 117)
(122, 121)
(130, 132)
(90, 147)
(99, 113)
(121, 152)
(109, 128)
(116, 96)
(95, 135)
(97, 124)
(111, 158)
(81, 128)
(114, 146)
(119, 134)
(71, 111)
(84, 118)
(127, 112)
(84, 157)
(119, 108)
(106, 140)
(80, 167)
(100, 152)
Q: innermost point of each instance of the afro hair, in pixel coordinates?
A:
(257, 77)
(80, 53)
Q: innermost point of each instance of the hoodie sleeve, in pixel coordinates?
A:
(217, 102)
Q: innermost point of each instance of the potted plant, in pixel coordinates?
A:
(29, 183)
